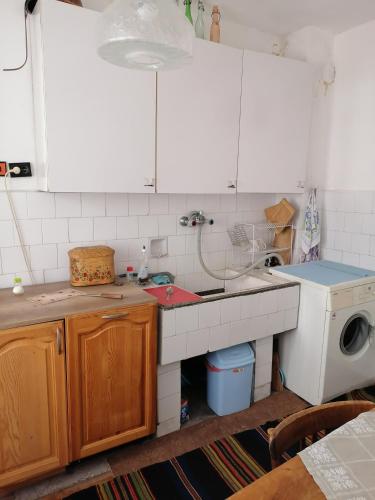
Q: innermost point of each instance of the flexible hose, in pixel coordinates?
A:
(239, 274)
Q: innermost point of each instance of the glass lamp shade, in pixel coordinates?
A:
(145, 34)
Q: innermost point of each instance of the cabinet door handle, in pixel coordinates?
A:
(231, 185)
(115, 316)
(149, 183)
(59, 346)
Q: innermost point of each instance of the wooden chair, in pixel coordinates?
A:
(308, 423)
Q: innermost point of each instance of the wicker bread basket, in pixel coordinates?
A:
(91, 266)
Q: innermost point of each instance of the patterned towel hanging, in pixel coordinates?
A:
(311, 235)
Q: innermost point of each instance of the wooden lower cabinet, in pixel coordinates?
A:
(33, 407)
(111, 368)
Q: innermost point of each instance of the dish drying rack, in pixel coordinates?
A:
(258, 239)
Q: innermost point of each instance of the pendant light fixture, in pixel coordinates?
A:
(145, 34)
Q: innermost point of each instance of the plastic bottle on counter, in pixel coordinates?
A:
(130, 273)
(143, 270)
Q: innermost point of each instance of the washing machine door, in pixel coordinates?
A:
(356, 334)
(348, 360)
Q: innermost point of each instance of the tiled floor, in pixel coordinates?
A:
(134, 456)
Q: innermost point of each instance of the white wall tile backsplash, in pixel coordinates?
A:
(348, 227)
(6, 234)
(53, 223)
(68, 205)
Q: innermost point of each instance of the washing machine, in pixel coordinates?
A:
(332, 350)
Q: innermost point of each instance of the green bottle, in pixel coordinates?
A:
(188, 10)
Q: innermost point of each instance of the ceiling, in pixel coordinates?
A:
(285, 16)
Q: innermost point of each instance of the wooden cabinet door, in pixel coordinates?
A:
(33, 407)
(95, 121)
(198, 122)
(275, 125)
(111, 362)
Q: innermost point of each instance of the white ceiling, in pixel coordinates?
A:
(285, 16)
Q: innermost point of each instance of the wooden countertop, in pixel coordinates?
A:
(17, 311)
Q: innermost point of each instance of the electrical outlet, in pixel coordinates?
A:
(3, 168)
(25, 169)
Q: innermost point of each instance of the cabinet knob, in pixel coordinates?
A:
(115, 316)
(300, 184)
(231, 185)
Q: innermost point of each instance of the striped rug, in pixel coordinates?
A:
(212, 472)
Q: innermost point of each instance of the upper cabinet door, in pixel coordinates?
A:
(95, 121)
(275, 124)
(198, 122)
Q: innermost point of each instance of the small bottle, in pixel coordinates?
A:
(199, 23)
(143, 270)
(215, 26)
(188, 10)
(129, 273)
(18, 288)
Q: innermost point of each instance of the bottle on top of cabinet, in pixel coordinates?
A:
(188, 10)
(199, 23)
(215, 26)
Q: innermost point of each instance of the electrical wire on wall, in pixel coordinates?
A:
(17, 170)
(28, 9)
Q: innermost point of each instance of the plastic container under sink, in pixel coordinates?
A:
(230, 379)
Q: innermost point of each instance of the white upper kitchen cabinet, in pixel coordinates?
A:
(198, 122)
(95, 122)
(276, 106)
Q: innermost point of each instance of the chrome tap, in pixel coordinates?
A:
(195, 218)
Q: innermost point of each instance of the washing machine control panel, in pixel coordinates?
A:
(348, 297)
(340, 299)
(364, 293)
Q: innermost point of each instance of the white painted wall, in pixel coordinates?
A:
(315, 46)
(237, 35)
(232, 33)
(352, 149)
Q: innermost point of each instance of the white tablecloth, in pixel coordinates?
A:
(343, 463)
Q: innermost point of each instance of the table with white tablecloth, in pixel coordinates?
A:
(343, 462)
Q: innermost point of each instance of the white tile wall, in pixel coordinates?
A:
(171, 425)
(57, 222)
(348, 227)
(188, 331)
(197, 343)
(169, 383)
(169, 407)
(168, 398)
